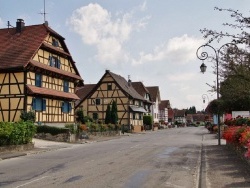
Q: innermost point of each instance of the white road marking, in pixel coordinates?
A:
(32, 181)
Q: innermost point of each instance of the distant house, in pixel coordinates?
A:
(113, 87)
(170, 115)
(37, 73)
(156, 99)
(163, 110)
(180, 116)
(143, 91)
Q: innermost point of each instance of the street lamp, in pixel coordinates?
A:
(204, 98)
(203, 56)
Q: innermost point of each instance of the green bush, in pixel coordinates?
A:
(102, 127)
(147, 120)
(28, 116)
(52, 130)
(72, 128)
(92, 127)
(16, 133)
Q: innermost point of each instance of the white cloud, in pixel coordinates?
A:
(97, 27)
(143, 6)
(179, 50)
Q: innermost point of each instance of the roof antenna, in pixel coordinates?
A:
(9, 25)
(44, 13)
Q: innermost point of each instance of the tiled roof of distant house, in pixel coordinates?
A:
(164, 104)
(154, 92)
(83, 92)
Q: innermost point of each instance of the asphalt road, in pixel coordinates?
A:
(165, 158)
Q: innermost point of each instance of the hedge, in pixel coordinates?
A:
(16, 133)
(52, 130)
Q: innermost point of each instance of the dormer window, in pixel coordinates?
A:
(55, 43)
(54, 62)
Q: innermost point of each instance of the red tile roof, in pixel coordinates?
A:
(16, 49)
(83, 92)
(51, 92)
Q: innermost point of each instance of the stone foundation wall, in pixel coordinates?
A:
(22, 147)
(58, 138)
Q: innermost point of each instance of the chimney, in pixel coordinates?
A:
(129, 81)
(46, 23)
(19, 25)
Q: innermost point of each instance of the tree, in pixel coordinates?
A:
(114, 115)
(108, 115)
(234, 63)
(80, 116)
(191, 110)
(241, 23)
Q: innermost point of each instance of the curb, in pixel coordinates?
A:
(11, 155)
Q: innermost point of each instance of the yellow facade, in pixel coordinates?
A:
(15, 97)
(108, 91)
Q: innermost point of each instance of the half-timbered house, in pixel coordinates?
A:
(163, 110)
(156, 99)
(143, 91)
(37, 73)
(113, 87)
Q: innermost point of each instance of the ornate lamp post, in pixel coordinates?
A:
(204, 97)
(203, 56)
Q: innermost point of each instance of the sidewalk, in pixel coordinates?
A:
(223, 168)
(41, 146)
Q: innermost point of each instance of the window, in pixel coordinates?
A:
(66, 107)
(39, 104)
(109, 86)
(55, 43)
(133, 115)
(65, 86)
(97, 101)
(140, 116)
(95, 116)
(54, 62)
(38, 80)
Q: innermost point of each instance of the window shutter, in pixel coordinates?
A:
(70, 107)
(59, 64)
(44, 105)
(50, 61)
(63, 106)
(34, 103)
(65, 86)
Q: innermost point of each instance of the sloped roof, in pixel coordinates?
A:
(17, 49)
(83, 92)
(164, 104)
(122, 83)
(51, 92)
(180, 113)
(140, 88)
(154, 92)
(125, 86)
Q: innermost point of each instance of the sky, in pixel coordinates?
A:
(152, 41)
